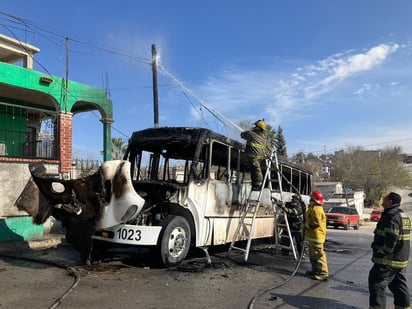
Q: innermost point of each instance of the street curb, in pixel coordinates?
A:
(51, 241)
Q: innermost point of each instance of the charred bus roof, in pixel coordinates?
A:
(294, 166)
(170, 138)
(156, 139)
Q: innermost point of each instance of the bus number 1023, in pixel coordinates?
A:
(129, 234)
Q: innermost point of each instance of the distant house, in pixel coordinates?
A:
(329, 188)
(335, 195)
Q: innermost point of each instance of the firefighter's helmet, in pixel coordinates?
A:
(261, 124)
(295, 199)
(317, 197)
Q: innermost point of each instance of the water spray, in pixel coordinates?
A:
(225, 121)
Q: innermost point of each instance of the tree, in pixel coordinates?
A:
(281, 143)
(271, 137)
(299, 157)
(373, 171)
(308, 161)
(118, 148)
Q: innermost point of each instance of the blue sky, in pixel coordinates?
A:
(332, 74)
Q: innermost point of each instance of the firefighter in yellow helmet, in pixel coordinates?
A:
(315, 229)
(255, 151)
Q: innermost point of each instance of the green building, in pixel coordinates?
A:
(36, 112)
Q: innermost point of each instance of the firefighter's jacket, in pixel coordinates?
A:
(315, 224)
(391, 243)
(255, 143)
(294, 212)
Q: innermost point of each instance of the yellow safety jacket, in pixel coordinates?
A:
(315, 224)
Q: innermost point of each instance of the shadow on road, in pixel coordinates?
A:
(306, 302)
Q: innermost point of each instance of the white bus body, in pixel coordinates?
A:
(194, 183)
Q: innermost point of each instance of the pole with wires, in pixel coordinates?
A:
(155, 90)
(225, 121)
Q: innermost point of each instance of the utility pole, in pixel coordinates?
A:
(66, 102)
(155, 94)
(156, 157)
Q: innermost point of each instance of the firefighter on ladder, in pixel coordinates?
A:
(256, 152)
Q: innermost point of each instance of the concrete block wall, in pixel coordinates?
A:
(17, 224)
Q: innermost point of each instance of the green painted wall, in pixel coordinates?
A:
(14, 119)
(19, 228)
(80, 97)
(27, 88)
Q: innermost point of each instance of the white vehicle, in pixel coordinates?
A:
(194, 183)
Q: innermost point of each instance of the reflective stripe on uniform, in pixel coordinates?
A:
(405, 237)
(391, 263)
(254, 156)
(258, 146)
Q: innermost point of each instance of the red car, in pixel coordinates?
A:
(375, 215)
(343, 216)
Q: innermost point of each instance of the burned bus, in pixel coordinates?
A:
(191, 185)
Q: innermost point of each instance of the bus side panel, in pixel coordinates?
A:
(196, 201)
(224, 228)
(225, 198)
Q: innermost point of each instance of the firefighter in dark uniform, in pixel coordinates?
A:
(391, 247)
(294, 211)
(256, 151)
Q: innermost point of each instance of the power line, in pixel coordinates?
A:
(225, 121)
(36, 28)
(39, 29)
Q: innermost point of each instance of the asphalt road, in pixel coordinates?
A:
(52, 277)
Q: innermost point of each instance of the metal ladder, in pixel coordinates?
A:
(280, 227)
(252, 207)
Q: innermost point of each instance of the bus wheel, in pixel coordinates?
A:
(175, 241)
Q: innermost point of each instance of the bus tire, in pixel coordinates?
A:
(174, 241)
